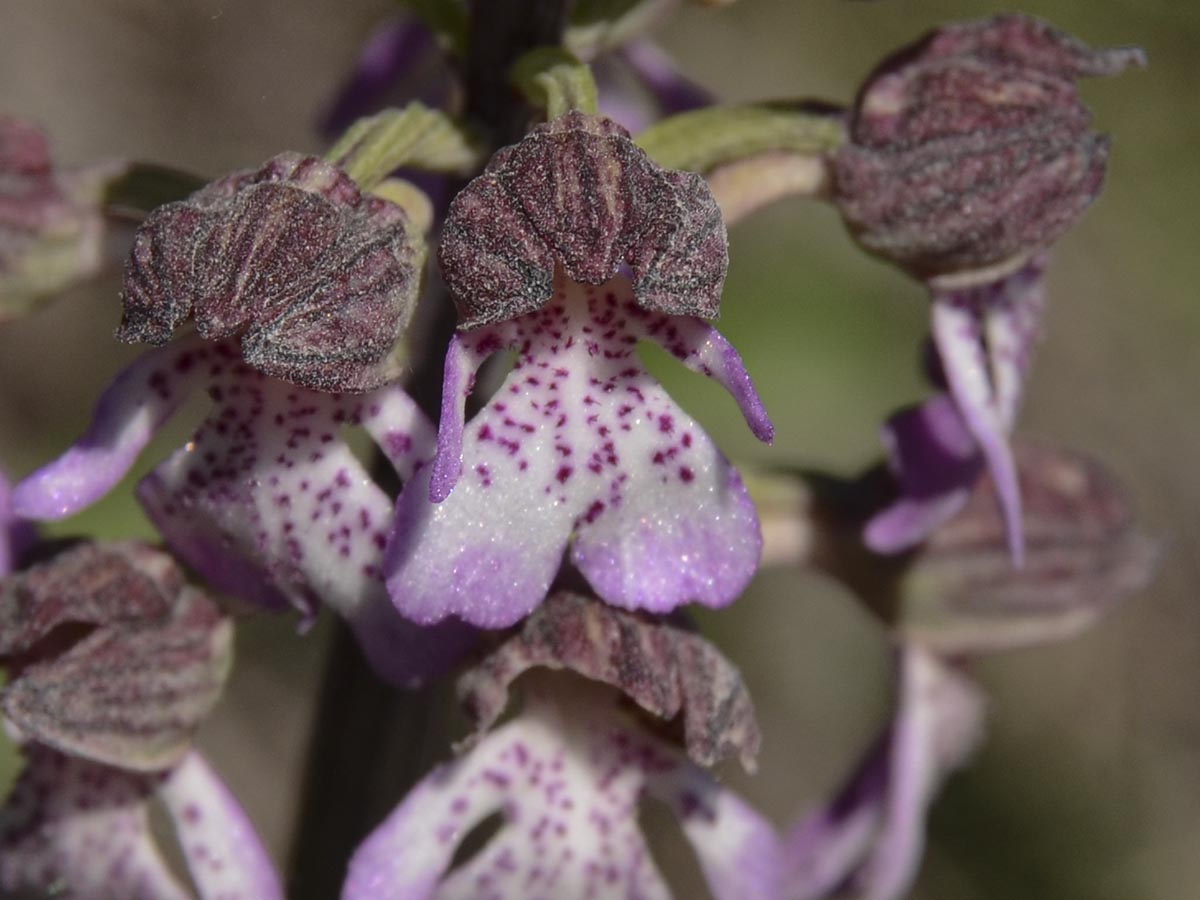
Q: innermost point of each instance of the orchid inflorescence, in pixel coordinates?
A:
(546, 536)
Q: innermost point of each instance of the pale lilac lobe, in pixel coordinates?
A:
(985, 337)
(579, 446)
(317, 279)
(868, 841)
(577, 193)
(667, 669)
(935, 463)
(81, 830)
(267, 500)
(568, 776)
(51, 230)
(971, 148)
(113, 657)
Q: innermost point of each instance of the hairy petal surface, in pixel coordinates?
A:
(971, 149)
(867, 843)
(579, 441)
(317, 279)
(568, 777)
(663, 666)
(577, 193)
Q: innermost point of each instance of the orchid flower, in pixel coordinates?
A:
(569, 773)
(579, 445)
(970, 153)
(267, 500)
(568, 776)
(51, 225)
(985, 338)
(105, 724)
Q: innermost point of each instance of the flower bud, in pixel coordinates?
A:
(971, 149)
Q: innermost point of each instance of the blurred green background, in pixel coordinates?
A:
(1088, 787)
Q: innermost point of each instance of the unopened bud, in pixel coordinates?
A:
(971, 149)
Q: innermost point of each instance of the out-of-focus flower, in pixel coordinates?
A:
(51, 225)
(405, 60)
(400, 62)
(1086, 555)
(113, 661)
(867, 843)
(569, 773)
(579, 445)
(970, 153)
(984, 337)
(267, 500)
(638, 85)
(956, 597)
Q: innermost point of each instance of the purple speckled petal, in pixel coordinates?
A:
(567, 776)
(936, 463)
(225, 855)
(703, 349)
(871, 836)
(957, 332)
(130, 412)
(578, 440)
(267, 501)
(78, 829)
(738, 850)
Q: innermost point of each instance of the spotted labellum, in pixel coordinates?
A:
(316, 279)
(569, 774)
(267, 500)
(580, 444)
